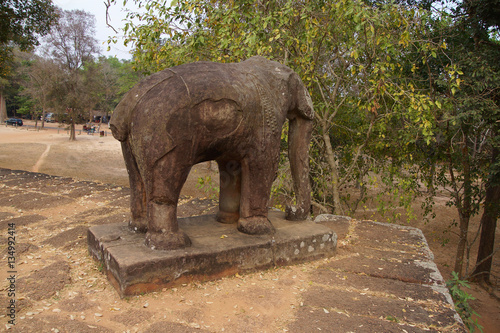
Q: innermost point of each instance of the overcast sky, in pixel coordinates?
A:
(97, 8)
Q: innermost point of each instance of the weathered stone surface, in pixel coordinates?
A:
(22, 220)
(164, 326)
(31, 201)
(5, 215)
(383, 279)
(339, 224)
(409, 271)
(398, 238)
(230, 113)
(132, 317)
(387, 308)
(78, 303)
(377, 286)
(46, 282)
(67, 236)
(53, 323)
(317, 320)
(217, 250)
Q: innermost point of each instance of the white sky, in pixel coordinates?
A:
(97, 8)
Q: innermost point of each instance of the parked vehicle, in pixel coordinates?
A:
(50, 118)
(14, 122)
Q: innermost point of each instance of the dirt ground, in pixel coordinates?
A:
(98, 159)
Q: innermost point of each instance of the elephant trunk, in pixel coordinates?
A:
(299, 137)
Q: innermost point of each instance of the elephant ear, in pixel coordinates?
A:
(301, 100)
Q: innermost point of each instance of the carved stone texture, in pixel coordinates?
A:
(230, 113)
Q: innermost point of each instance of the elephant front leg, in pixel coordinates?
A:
(257, 178)
(166, 184)
(230, 191)
(163, 232)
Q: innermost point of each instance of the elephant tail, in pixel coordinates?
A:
(122, 115)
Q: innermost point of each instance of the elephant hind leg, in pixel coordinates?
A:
(230, 191)
(138, 219)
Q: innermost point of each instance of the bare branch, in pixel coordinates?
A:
(108, 17)
(358, 152)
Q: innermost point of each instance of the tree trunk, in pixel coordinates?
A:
(330, 156)
(72, 135)
(462, 244)
(488, 225)
(465, 209)
(3, 108)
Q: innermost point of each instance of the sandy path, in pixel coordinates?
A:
(42, 158)
(90, 157)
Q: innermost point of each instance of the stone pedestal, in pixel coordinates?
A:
(217, 250)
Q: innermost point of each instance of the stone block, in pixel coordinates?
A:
(217, 250)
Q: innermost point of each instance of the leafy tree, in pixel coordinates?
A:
(21, 21)
(127, 78)
(16, 103)
(110, 79)
(41, 79)
(462, 158)
(106, 79)
(480, 100)
(356, 60)
(71, 44)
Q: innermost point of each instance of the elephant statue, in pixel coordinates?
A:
(231, 113)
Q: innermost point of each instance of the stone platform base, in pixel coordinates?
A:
(217, 250)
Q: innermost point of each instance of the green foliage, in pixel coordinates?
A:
(26, 104)
(21, 22)
(108, 79)
(209, 187)
(459, 160)
(461, 299)
(358, 62)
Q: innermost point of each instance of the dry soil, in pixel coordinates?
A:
(98, 159)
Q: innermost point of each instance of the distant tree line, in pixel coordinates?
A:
(67, 77)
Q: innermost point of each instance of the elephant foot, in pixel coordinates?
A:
(294, 213)
(227, 218)
(167, 240)
(255, 225)
(138, 225)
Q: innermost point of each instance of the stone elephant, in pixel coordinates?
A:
(230, 113)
